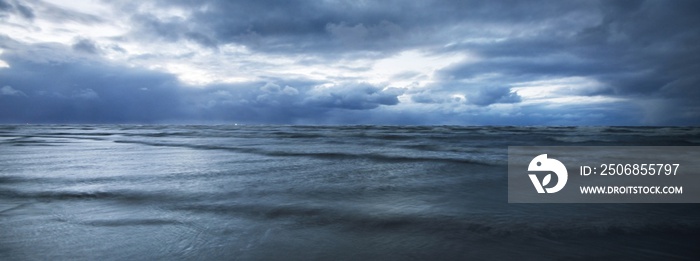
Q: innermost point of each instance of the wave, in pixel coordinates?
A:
(357, 219)
(29, 142)
(361, 133)
(352, 218)
(131, 222)
(318, 155)
(130, 196)
(582, 139)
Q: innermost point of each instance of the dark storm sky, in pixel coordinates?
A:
(351, 62)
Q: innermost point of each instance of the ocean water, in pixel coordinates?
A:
(160, 192)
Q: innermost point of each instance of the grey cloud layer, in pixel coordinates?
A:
(347, 26)
(7, 7)
(646, 53)
(89, 89)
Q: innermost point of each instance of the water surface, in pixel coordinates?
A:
(145, 192)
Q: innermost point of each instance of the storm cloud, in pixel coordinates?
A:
(349, 62)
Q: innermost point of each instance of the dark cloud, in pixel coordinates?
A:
(650, 44)
(10, 7)
(277, 103)
(5, 6)
(638, 49)
(25, 11)
(609, 40)
(64, 88)
(86, 45)
(84, 91)
(473, 95)
(427, 98)
(283, 26)
(357, 97)
(313, 26)
(643, 53)
(492, 95)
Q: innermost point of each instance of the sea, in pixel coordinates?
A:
(259, 192)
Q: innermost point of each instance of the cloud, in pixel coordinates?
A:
(639, 52)
(361, 36)
(9, 91)
(270, 88)
(78, 90)
(14, 7)
(273, 88)
(90, 89)
(272, 26)
(5, 6)
(65, 13)
(480, 96)
(493, 95)
(421, 62)
(86, 45)
(288, 90)
(86, 94)
(25, 11)
(425, 97)
(360, 96)
(169, 29)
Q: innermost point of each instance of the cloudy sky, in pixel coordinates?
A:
(350, 62)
